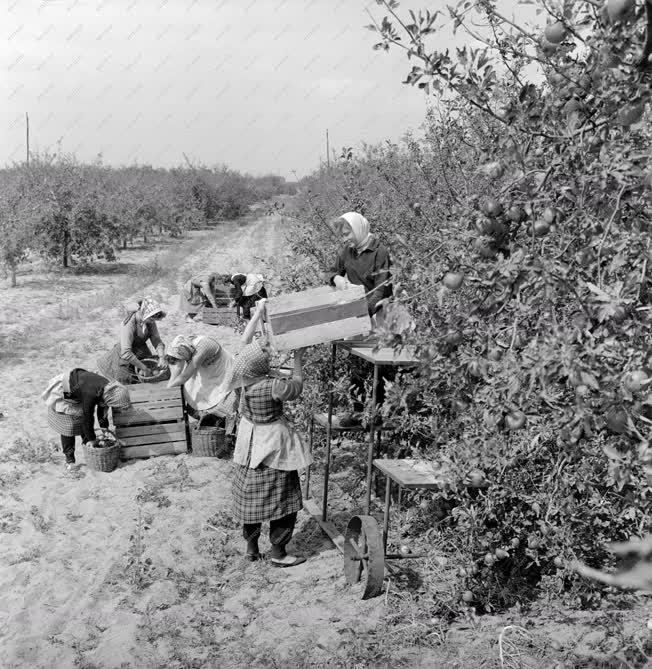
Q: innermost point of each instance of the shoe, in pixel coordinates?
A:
(190, 319)
(287, 561)
(253, 557)
(71, 466)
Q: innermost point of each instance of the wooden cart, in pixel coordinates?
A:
(363, 544)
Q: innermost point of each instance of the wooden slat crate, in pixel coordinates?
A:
(156, 424)
(223, 315)
(317, 316)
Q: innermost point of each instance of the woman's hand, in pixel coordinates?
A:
(162, 363)
(340, 282)
(145, 372)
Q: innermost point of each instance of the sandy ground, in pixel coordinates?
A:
(142, 567)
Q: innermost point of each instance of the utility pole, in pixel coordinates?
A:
(328, 152)
(27, 135)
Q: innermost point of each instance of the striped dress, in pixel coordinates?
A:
(263, 493)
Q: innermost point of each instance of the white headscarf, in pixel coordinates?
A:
(182, 348)
(360, 227)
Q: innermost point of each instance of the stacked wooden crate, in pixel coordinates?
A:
(156, 424)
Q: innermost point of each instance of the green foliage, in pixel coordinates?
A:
(532, 181)
(71, 212)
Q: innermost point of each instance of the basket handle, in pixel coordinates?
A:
(202, 415)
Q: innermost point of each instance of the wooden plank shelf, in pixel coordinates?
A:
(413, 474)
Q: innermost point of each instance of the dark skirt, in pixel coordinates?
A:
(65, 424)
(263, 494)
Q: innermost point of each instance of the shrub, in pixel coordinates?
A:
(530, 183)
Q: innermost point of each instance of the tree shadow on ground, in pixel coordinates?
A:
(101, 268)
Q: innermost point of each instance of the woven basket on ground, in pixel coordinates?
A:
(209, 442)
(103, 458)
(158, 375)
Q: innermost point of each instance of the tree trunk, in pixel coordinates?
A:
(65, 247)
(144, 238)
(12, 269)
(124, 243)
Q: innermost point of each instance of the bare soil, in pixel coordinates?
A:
(142, 567)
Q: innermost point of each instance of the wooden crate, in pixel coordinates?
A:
(156, 424)
(223, 315)
(317, 316)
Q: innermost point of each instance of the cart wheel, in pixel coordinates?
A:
(364, 556)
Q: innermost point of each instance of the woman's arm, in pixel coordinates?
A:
(381, 279)
(181, 377)
(175, 371)
(286, 390)
(250, 330)
(338, 269)
(88, 401)
(126, 342)
(157, 342)
(208, 291)
(103, 416)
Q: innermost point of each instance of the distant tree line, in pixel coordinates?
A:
(70, 212)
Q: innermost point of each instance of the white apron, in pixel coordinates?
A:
(253, 284)
(276, 445)
(209, 385)
(54, 399)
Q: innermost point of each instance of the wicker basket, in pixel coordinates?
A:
(209, 442)
(159, 375)
(103, 459)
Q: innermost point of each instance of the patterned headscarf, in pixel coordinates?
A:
(360, 227)
(181, 348)
(116, 395)
(251, 365)
(150, 307)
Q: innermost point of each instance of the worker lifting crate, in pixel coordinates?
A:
(156, 424)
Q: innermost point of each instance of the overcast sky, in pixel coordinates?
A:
(250, 83)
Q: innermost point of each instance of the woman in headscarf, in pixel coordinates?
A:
(203, 367)
(202, 290)
(362, 261)
(138, 328)
(73, 398)
(247, 290)
(268, 452)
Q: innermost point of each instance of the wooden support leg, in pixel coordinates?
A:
(388, 501)
(306, 494)
(324, 507)
(372, 442)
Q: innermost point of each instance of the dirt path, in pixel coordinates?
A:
(142, 567)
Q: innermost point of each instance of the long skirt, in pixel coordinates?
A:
(191, 302)
(65, 424)
(264, 493)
